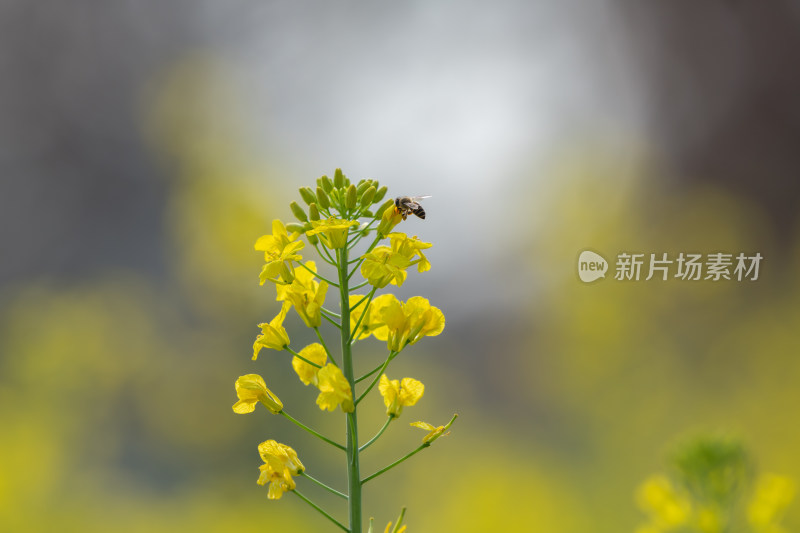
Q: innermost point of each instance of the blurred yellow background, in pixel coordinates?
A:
(147, 147)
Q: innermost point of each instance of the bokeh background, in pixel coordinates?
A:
(144, 146)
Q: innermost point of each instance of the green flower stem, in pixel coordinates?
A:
(323, 485)
(326, 256)
(320, 276)
(317, 507)
(330, 313)
(368, 374)
(352, 338)
(327, 351)
(394, 464)
(332, 321)
(312, 363)
(305, 427)
(365, 282)
(378, 434)
(359, 302)
(377, 377)
(353, 473)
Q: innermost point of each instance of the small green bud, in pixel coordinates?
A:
(298, 212)
(308, 195)
(322, 198)
(362, 186)
(338, 178)
(384, 206)
(313, 239)
(350, 197)
(327, 184)
(367, 213)
(367, 196)
(313, 212)
(295, 227)
(380, 194)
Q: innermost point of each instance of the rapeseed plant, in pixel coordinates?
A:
(338, 216)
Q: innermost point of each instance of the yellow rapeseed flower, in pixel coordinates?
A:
(406, 323)
(251, 389)
(434, 432)
(772, 495)
(280, 249)
(332, 231)
(383, 266)
(305, 294)
(307, 373)
(334, 390)
(273, 334)
(280, 464)
(388, 264)
(372, 320)
(390, 218)
(409, 247)
(398, 394)
(667, 507)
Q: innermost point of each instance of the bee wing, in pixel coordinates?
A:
(418, 198)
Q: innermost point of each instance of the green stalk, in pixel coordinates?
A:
(353, 473)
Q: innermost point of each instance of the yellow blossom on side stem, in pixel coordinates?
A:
(251, 389)
(434, 431)
(334, 390)
(391, 217)
(308, 373)
(389, 528)
(409, 247)
(398, 394)
(305, 294)
(406, 323)
(332, 231)
(280, 464)
(280, 249)
(372, 319)
(383, 266)
(273, 334)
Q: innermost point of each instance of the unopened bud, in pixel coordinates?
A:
(338, 178)
(313, 212)
(322, 198)
(350, 197)
(367, 196)
(307, 195)
(298, 212)
(380, 194)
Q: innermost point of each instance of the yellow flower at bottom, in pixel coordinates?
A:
(667, 507)
(772, 495)
(334, 389)
(251, 389)
(280, 464)
(398, 394)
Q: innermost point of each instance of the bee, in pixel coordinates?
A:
(407, 205)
